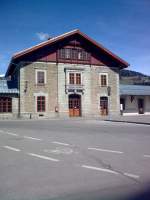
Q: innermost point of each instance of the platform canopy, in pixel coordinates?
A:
(8, 87)
(134, 90)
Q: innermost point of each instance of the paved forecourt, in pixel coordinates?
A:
(72, 159)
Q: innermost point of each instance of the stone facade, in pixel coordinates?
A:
(73, 67)
(29, 90)
(55, 89)
(15, 109)
(97, 91)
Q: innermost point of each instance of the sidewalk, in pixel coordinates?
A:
(139, 119)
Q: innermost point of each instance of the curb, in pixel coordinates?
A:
(130, 122)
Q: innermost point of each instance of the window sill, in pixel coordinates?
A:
(42, 84)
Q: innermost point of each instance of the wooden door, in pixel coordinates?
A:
(104, 106)
(74, 105)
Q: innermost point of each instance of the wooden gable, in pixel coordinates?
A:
(49, 52)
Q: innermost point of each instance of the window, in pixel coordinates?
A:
(75, 78)
(40, 77)
(71, 78)
(62, 53)
(103, 80)
(73, 54)
(68, 53)
(5, 104)
(78, 78)
(41, 104)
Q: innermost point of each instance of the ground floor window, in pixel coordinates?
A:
(5, 104)
(41, 104)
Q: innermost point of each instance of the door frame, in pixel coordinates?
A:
(74, 109)
(105, 100)
(140, 108)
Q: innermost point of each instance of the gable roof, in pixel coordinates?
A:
(61, 37)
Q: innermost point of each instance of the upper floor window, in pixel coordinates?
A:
(5, 104)
(75, 78)
(41, 104)
(78, 78)
(73, 54)
(40, 77)
(71, 78)
(103, 79)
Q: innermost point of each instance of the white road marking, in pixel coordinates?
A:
(43, 157)
(9, 133)
(32, 138)
(147, 156)
(11, 148)
(61, 143)
(13, 134)
(58, 150)
(131, 175)
(105, 150)
(99, 169)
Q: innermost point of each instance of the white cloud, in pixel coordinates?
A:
(42, 36)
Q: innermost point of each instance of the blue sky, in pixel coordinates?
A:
(122, 26)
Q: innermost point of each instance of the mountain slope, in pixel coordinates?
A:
(134, 78)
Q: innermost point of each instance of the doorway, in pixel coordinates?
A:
(104, 106)
(141, 106)
(74, 105)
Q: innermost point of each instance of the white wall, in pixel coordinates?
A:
(131, 108)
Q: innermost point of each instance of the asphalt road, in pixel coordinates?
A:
(74, 159)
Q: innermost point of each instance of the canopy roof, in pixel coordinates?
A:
(134, 90)
(8, 87)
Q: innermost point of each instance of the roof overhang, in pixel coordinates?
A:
(18, 55)
(134, 90)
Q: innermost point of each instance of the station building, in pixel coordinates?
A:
(70, 75)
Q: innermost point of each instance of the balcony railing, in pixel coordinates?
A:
(72, 88)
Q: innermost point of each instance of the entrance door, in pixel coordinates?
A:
(104, 106)
(74, 105)
(141, 106)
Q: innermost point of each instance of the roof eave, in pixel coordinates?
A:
(123, 63)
